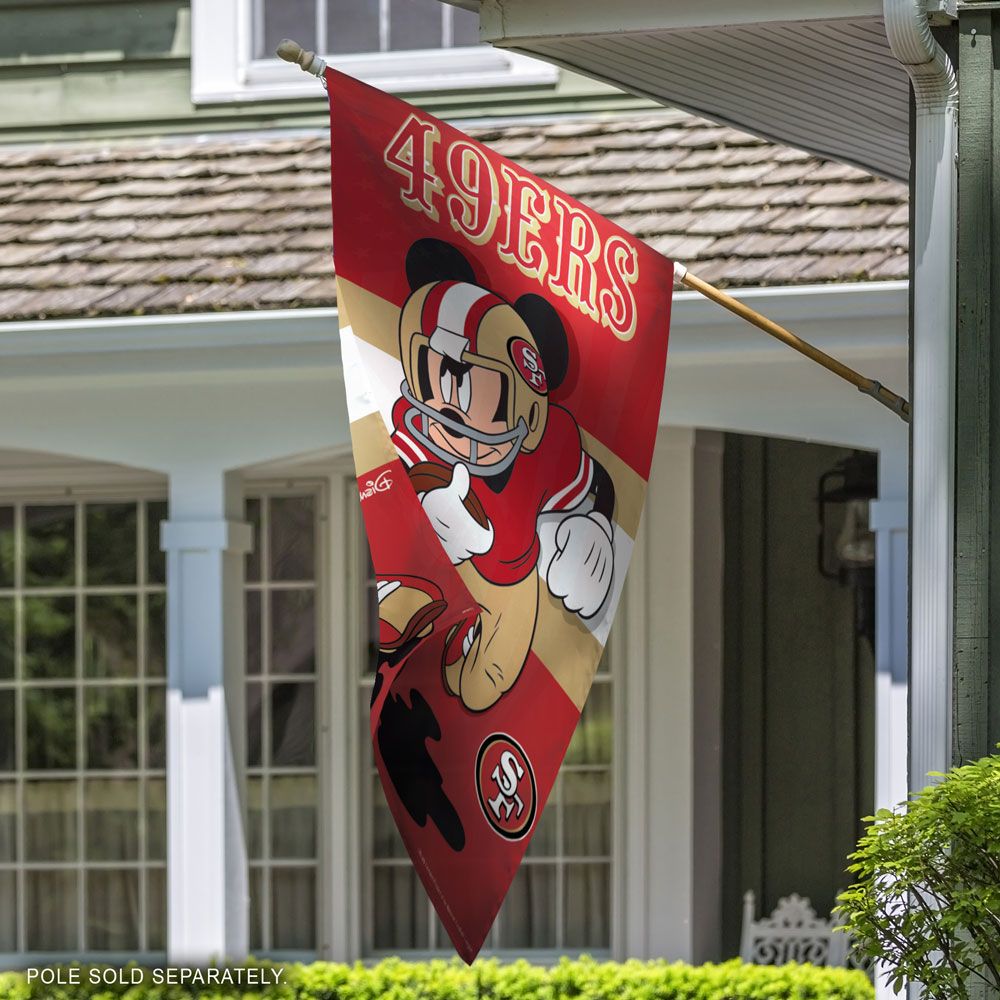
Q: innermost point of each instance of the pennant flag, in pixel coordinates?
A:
(504, 351)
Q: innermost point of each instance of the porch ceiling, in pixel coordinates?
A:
(816, 74)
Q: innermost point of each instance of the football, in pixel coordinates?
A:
(427, 476)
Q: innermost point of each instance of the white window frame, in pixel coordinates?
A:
(223, 70)
(317, 487)
(75, 486)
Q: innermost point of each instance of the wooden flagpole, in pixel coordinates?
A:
(869, 386)
(311, 63)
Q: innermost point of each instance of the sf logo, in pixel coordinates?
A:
(534, 370)
(506, 776)
(505, 783)
(528, 364)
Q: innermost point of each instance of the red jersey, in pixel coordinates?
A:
(555, 476)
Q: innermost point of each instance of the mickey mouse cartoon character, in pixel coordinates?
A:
(489, 454)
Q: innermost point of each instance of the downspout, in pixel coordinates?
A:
(932, 442)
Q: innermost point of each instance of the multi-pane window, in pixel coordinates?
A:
(281, 696)
(82, 731)
(347, 27)
(560, 899)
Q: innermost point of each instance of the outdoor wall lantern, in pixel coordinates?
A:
(845, 543)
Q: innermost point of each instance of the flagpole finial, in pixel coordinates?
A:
(292, 52)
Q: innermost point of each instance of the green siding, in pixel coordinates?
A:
(93, 68)
(104, 32)
(976, 700)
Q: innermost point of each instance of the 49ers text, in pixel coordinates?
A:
(595, 276)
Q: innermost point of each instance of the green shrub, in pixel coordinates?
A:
(488, 980)
(927, 897)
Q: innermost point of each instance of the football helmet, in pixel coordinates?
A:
(472, 325)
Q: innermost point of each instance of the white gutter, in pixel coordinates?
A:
(281, 343)
(169, 331)
(317, 327)
(932, 485)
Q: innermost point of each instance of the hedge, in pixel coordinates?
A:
(393, 979)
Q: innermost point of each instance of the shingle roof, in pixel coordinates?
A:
(243, 223)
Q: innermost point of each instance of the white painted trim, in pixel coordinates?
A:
(932, 466)
(141, 772)
(176, 331)
(888, 515)
(306, 333)
(786, 303)
(889, 519)
(825, 305)
(666, 657)
(622, 806)
(222, 536)
(400, 73)
(299, 343)
(707, 736)
(631, 937)
(344, 645)
(271, 326)
(17, 961)
(223, 71)
(207, 873)
(269, 488)
(77, 480)
(502, 21)
(218, 35)
(353, 643)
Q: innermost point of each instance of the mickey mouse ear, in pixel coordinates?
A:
(550, 335)
(434, 260)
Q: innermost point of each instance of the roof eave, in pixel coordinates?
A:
(511, 22)
(815, 74)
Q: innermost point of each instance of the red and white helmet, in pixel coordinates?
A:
(472, 325)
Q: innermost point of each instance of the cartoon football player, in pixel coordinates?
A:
(488, 455)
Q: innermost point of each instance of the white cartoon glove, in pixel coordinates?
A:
(461, 534)
(583, 565)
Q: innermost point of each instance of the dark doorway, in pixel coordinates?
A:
(798, 679)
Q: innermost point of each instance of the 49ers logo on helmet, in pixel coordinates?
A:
(528, 362)
(505, 782)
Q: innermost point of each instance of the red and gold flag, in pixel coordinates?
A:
(504, 350)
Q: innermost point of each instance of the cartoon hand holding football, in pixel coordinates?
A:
(455, 513)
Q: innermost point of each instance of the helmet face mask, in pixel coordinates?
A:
(468, 401)
(420, 418)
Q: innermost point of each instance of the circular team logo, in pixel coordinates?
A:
(528, 363)
(506, 786)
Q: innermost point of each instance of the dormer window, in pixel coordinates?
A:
(402, 46)
(363, 27)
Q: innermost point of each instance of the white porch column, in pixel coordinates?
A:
(207, 893)
(890, 521)
(671, 806)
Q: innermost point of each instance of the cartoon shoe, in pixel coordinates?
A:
(408, 606)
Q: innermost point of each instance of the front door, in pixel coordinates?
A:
(799, 683)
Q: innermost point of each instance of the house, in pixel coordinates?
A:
(184, 595)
